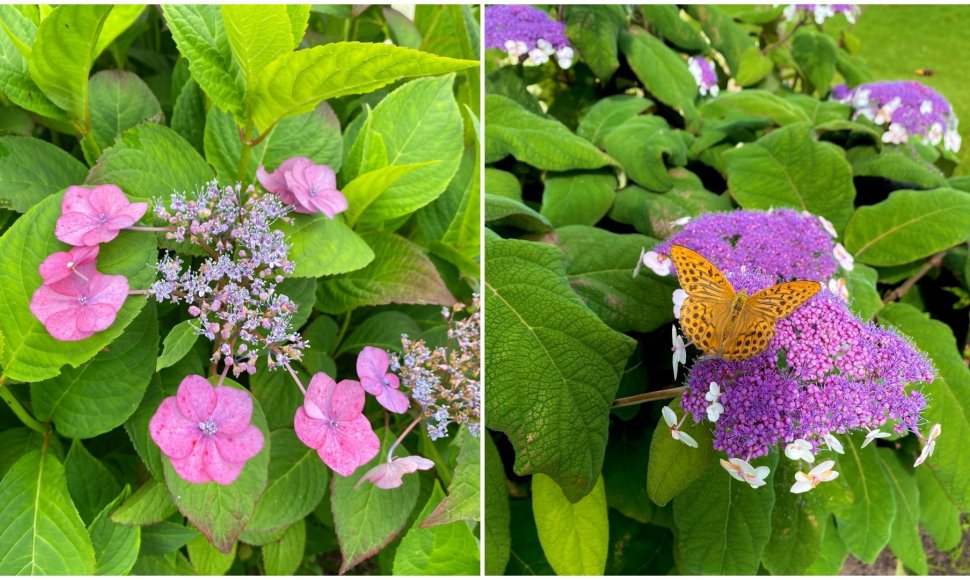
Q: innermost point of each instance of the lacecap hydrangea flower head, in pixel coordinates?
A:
(821, 12)
(524, 31)
(906, 109)
(704, 75)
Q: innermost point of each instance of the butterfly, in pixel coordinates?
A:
(729, 324)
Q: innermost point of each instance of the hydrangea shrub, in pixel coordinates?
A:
(756, 137)
(239, 290)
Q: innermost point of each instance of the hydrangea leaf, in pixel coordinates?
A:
(661, 70)
(439, 550)
(673, 466)
(833, 553)
(119, 101)
(207, 560)
(103, 392)
(31, 169)
(257, 35)
(504, 211)
(297, 482)
(137, 428)
(896, 165)
(31, 354)
(369, 518)
(948, 397)
(498, 537)
(908, 226)
(41, 532)
(864, 298)
(727, 36)
(866, 524)
(18, 86)
(593, 30)
(665, 18)
(574, 536)
(278, 395)
(151, 504)
(115, 546)
(599, 265)
(221, 512)
(91, 484)
(937, 514)
(366, 190)
(796, 535)
(554, 367)
(464, 498)
(753, 67)
(609, 113)
(165, 537)
(789, 168)
(905, 542)
(722, 525)
(189, 116)
(177, 344)
(284, 556)
(815, 54)
(542, 142)
(746, 104)
(201, 37)
(20, 440)
(382, 329)
(399, 274)
(296, 82)
(644, 146)
(320, 246)
(578, 198)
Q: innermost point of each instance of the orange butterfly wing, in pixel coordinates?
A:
(707, 309)
(755, 323)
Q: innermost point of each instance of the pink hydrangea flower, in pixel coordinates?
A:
(372, 364)
(330, 421)
(389, 475)
(79, 260)
(93, 216)
(206, 431)
(307, 186)
(75, 308)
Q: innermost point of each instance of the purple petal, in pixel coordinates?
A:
(233, 412)
(176, 435)
(196, 398)
(241, 447)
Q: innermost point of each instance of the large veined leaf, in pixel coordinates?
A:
(866, 524)
(574, 536)
(906, 541)
(464, 493)
(438, 550)
(673, 466)
(257, 35)
(796, 533)
(31, 169)
(115, 545)
(497, 533)
(553, 366)
(661, 70)
(593, 30)
(15, 77)
(320, 246)
(119, 101)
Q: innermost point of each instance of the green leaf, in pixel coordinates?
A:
(368, 519)
(752, 105)
(207, 560)
(91, 485)
(607, 114)
(103, 392)
(188, 115)
(137, 428)
(497, 532)
(939, 517)
(453, 30)
(119, 19)
(853, 69)
(625, 465)
(31, 169)
(542, 142)
(789, 168)
(948, 395)
(151, 504)
(599, 265)
(463, 501)
(115, 546)
(257, 35)
(661, 70)
(277, 393)
(577, 198)
(796, 535)
(574, 536)
(722, 524)
(165, 537)
(527, 556)
(864, 298)
(643, 146)
(296, 82)
(284, 556)
(833, 553)
(177, 344)
(18, 86)
(673, 466)
(593, 30)
(509, 212)
(41, 532)
(908, 226)
(815, 54)
(905, 542)
(221, 512)
(727, 36)
(63, 53)
(439, 550)
(366, 189)
(30, 353)
(554, 366)
(399, 274)
(896, 165)
(133, 164)
(119, 101)
(202, 39)
(20, 440)
(866, 524)
(753, 67)
(665, 19)
(297, 482)
(320, 246)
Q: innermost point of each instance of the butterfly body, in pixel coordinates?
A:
(729, 324)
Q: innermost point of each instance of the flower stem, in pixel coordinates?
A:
(18, 409)
(222, 377)
(296, 379)
(138, 293)
(935, 261)
(647, 397)
(397, 441)
(150, 229)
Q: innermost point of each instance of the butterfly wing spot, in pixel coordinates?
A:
(782, 299)
(751, 341)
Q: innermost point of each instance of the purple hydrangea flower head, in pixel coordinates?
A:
(823, 372)
(783, 243)
(523, 30)
(822, 12)
(907, 109)
(705, 75)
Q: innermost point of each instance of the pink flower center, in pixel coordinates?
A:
(103, 219)
(82, 299)
(313, 191)
(208, 427)
(385, 382)
(334, 423)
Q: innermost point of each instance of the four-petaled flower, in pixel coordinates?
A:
(93, 216)
(206, 431)
(659, 263)
(671, 419)
(741, 470)
(809, 481)
(372, 364)
(873, 435)
(389, 475)
(929, 445)
(712, 396)
(77, 307)
(679, 348)
(309, 187)
(800, 449)
(330, 421)
(843, 257)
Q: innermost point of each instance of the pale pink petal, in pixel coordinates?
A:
(320, 392)
(99, 234)
(310, 431)
(196, 398)
(73, 226)
(109, 290)
(347, 401)
(60, 265)
(63, 326)
(95, 317)
(240, 447)
(219, 469)
(48, 301)
(372, 364)
(107, 199)
(175, 434)
(191, 468)
(351, 445)
(233, 412)
(393, 400)
(389, 475)
(75, 199)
